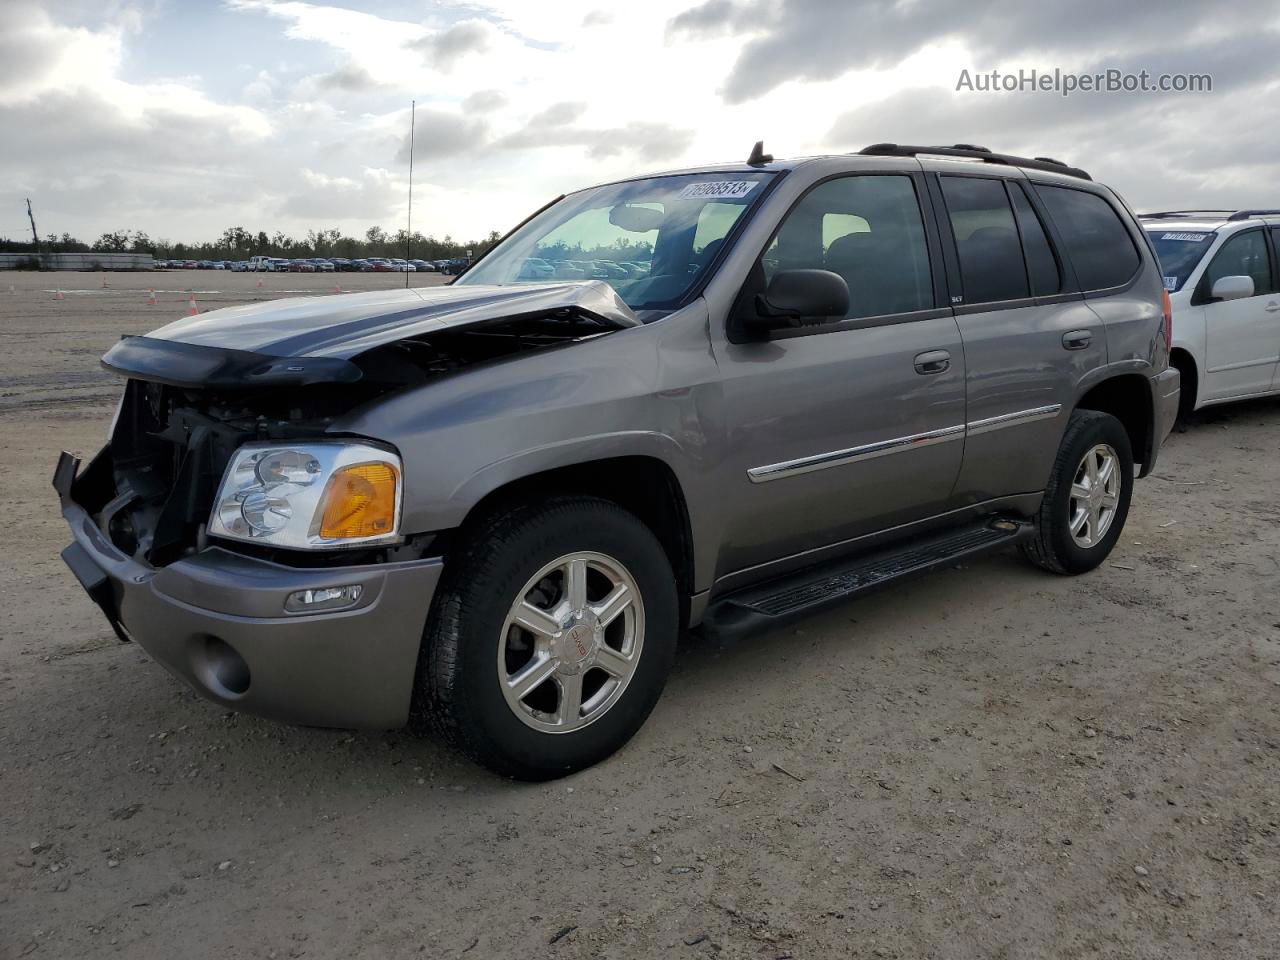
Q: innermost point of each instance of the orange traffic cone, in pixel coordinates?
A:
(151, 300)
(192, 309)
(57, 295)
(104, 282)
(259, 283)
(337, 288)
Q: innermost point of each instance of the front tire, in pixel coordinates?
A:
(550, 637)
(1087, 498)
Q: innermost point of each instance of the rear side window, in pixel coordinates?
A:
(991, 265)
(1042, 265)
(1097, 242)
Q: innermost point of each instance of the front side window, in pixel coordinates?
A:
(868, 229)
(991, 263)
(651, 239)
(1244, 255)
(1097, 242)
(1179, 252)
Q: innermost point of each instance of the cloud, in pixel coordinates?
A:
(446, 47)
(557, 115)
(597, 18)
(326, 199)
(817, 40)
(349, 78)
(1137, 143)
(484, 101)
(652, 142)
(440, 134)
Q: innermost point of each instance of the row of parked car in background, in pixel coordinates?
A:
(320, 265)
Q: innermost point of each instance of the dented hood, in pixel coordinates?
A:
(345, 325)
(287, 343)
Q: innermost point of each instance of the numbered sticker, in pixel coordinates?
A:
(717, 190)
(1188, 237)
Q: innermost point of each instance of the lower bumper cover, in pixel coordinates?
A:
(216, 620)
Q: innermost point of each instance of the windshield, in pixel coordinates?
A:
(1179, 252)
(651, 240)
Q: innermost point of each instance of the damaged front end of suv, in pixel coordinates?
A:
(242, 506)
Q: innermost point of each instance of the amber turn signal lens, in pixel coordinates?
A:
(359, 502)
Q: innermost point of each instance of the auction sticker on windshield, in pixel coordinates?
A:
(717, 190)
(1188, 237)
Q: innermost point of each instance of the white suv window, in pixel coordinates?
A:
(1244, 255)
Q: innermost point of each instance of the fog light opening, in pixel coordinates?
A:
(224, 670)
(323, 598)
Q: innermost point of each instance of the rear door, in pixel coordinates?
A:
(1242, 337)
(1029, 337)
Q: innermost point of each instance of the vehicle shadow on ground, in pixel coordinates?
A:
(1230, 414)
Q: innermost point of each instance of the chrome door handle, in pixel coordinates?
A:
(933, 361)
(1273, 307)
(1077, 339)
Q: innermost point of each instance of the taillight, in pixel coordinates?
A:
(1168, 319)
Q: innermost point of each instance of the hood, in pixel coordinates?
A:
(345, 325)
(306, 340)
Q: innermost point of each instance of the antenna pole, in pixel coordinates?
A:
(35, 237)
(408, 232)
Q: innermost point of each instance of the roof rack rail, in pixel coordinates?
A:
(1227, 214)
(969, 151)
(1246, 214)
(1166, 214)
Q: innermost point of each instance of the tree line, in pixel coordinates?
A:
(237, 243)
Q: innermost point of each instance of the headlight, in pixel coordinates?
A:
(309, 496)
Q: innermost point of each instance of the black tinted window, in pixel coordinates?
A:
(1097, 242)
(1042, 267)
(1244, 255)
(868, 229)
(991, 266)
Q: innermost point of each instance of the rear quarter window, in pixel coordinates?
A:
(1096, 240)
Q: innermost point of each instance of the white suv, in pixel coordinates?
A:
(1222, 272)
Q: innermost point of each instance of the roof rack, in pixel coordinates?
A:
(969, 151)
(1246, 214)
(1170, 214)
(1224, 214)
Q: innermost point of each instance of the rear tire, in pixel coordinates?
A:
(1077, 527)
(604, 669)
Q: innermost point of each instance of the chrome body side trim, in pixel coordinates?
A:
(1017, 418)
(869, 451)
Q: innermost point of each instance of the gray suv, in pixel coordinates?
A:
(493, 507)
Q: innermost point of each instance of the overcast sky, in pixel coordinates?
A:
(183, 118)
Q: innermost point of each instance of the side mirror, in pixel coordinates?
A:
(798, 298)
(1232, 288)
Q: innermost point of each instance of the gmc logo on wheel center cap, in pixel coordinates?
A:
(581, 637)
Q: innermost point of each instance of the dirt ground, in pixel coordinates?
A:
(990, 762)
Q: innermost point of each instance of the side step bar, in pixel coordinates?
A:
(811, 590)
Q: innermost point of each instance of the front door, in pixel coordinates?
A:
(851, 427)
(1242, 337)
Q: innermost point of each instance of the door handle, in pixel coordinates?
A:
(1273, 307)
(1077, 339)
(933, 361)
